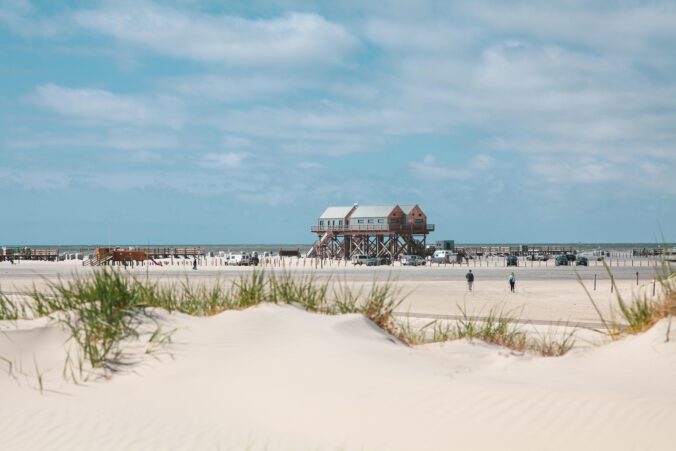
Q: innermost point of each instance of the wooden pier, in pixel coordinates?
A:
(112, 256)
(26, 253)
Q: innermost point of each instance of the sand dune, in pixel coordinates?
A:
(276, 377)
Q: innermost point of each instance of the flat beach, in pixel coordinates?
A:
(278, 377)
(544, 292)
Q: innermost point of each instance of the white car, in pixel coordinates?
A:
(239, 259)
(444, 256)
(412, 260)
(364, 260)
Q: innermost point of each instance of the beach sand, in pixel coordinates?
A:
(277, 377)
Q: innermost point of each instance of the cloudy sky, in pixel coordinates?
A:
(237, 122)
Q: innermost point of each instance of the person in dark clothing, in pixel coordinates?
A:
(470, 279)
(194, 263)
(512, 282)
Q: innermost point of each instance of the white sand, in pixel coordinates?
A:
(275, 377)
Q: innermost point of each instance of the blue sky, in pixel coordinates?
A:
(237, 122)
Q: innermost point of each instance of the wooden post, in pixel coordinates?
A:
(653, 287)
(594, 282)
(612, 283)
(636, 277)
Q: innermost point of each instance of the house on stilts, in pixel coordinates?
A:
(379, 230)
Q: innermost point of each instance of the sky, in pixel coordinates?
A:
(240, 122)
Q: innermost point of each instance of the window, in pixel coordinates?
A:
(360, 221)
(370, 221)
(394, 221)
(340, 222)
(381, 221)
(321, 223)
(418, 221)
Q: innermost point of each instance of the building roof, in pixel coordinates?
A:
(372, 211)
(407, 208)
(336, 212)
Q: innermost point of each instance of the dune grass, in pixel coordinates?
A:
(643, 311)
(498, 327)
(104, 309)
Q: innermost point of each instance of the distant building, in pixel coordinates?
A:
(380, 230)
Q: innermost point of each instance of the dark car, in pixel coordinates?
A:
(561, 260)
(570, 257)
(383, 260)
(512, 260)
(582, 261)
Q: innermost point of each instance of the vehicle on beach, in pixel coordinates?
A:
(412, 260)
(364, 260)
(570, 257)
(239, 259)
(512, 260)
(384, 260)
(444, 256)
(537, 257)
(582, 261)
(561, 260)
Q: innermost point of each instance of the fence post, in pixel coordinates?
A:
(594, 282)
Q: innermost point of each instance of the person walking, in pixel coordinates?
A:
(194, 263)
(470, 279)
(512, 282)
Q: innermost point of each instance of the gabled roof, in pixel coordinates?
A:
(372, 211)
(336, 212)
(407, 208)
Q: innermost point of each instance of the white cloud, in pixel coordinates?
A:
(122, 138)
(620, 28)
(101, 105)
(227, 160)
(230, 89)
(20, 17)
(292, 38)
(570, 171)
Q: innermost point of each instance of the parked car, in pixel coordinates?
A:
(444, 256)
(239, 259)
(412, 260)
(383, 260)
(582, 261)
(537, 257)
(570, 257)
(561, 260)
(363, 260)
(512, 260)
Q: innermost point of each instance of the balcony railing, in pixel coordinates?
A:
(408, 228)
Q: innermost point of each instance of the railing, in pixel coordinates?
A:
(411, 228)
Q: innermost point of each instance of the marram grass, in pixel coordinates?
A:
(643, 311)
(104, 309)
